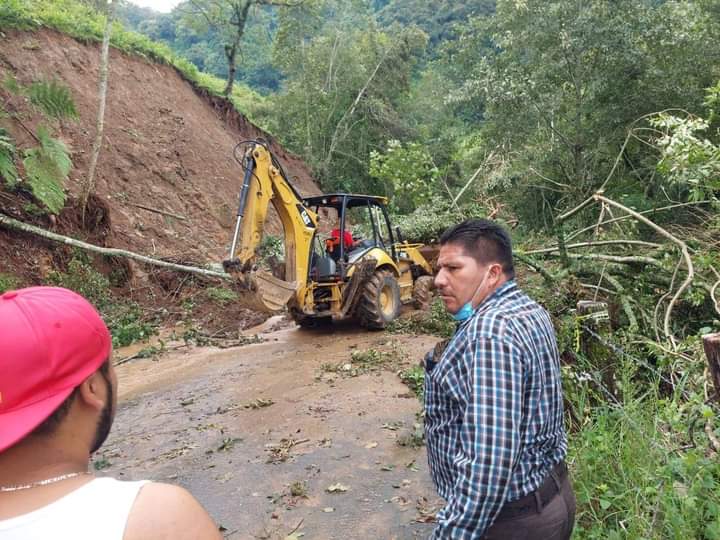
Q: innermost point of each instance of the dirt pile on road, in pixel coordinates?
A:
(167, 183)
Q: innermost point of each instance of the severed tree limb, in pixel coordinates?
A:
(644, 212)
(683, 249)
(592, 243)
(574, 211)
(613, 258)
(113, 252)
(601, 189)
(624, 302)
(474, 176)
(535, 266)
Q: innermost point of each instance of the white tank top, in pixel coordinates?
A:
(98, 510)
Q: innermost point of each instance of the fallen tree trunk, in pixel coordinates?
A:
(113, 252)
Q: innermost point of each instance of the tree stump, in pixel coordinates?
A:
(711, 344)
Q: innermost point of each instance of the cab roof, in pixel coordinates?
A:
(334, 200)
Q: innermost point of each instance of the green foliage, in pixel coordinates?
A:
(637, 472)
(557, 83)
(436, 322)
(54, 99)
(407, 171)
(7, 159)
(687, 159)
(221, 295)
(16, 14)
(343, 89)
(427, 222)
(47, 167)
(437, 18)
(8, 282)
(127, 324)
(11, 85)
(414, 378)
(125, 320)
(82, 278)
(271, 247)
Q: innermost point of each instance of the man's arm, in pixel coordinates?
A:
(167, 512)
(491, 392)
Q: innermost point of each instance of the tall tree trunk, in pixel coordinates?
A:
(240, 14)
(231, 55)
(89, 186)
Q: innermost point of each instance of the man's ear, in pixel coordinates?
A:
(496, 272)
(93, 391)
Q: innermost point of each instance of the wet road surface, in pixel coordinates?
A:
(289, 435)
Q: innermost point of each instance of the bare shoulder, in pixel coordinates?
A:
(164, 511)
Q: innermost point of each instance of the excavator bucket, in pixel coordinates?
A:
(264, 292)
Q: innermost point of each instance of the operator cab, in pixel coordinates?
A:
(350, 226)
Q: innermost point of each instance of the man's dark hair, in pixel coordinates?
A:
(484, 240)
(52, 422)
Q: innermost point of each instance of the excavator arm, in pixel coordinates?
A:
(264, 182)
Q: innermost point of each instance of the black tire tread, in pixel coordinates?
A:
(368, 311)
(422, 292)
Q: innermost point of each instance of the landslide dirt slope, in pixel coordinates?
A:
(166, 146)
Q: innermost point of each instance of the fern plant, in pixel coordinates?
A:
(47, 167)
(54, 99)
(7, 159)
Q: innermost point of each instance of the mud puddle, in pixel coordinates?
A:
(289, 435)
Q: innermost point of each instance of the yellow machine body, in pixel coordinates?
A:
(372, 283)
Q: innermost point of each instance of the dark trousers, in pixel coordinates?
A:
(554, 521)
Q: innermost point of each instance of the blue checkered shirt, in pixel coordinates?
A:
(493, 412)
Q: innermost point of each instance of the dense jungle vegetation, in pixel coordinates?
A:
(590, 128)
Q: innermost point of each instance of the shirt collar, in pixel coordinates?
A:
(504, 290)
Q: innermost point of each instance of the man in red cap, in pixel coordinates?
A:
(57, 403)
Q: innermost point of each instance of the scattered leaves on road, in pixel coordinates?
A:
(258, 403)
(281, 451)
(337, 488)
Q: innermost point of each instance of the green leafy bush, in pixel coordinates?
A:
(221, 295)
(407, 171)
(427, 223)
(47, 167)
(126, 324)
(124, 319)
(414, 378)
(437, 322)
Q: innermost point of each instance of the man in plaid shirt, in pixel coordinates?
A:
(493, 400)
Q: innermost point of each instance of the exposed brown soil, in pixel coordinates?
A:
(167, 146)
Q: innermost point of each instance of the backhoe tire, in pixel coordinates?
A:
(422, 292)
(380, 301)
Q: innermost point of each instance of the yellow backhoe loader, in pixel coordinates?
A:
(325, 277)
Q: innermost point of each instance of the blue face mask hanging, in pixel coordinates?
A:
(467, 311)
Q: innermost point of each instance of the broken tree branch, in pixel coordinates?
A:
(595, 243)
(683, 249)
(112, 252)
(644, 212)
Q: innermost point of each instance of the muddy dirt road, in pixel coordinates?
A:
(289, 436)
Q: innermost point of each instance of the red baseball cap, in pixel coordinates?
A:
(51, 340)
